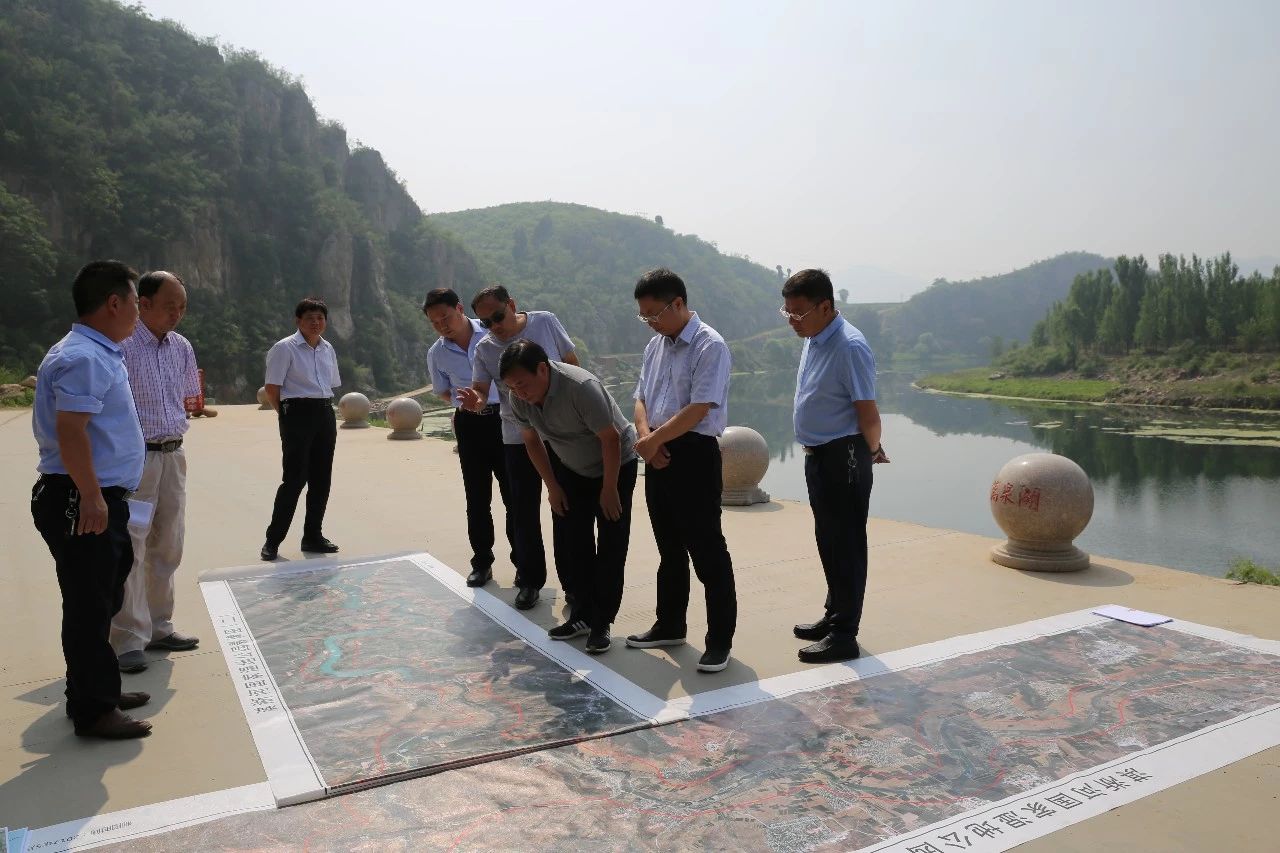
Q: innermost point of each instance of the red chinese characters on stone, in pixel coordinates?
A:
(1028, 498)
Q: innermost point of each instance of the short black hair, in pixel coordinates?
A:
(523, 353)
(814, 285)
(441, 296)
(661, 284)
(150, 283)
(98, 281)
(493, 291)
(311, 303)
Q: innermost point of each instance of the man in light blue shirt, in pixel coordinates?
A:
(497, 312)
(479, 434)
(302, 371)
(91, 456)
(838, 423)
(681, 408)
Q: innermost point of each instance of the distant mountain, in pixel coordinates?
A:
(582, 263)
(963, 316)
(867, 283)
(126, 137)
(1264, 264)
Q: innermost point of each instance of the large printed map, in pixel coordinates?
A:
(385, 671)
(839, 768)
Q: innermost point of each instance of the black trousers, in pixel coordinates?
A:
(595, 546)
(525, 489)
(684, 509)
(91, 571)
(308, 435)
(838, 475)
(483, 460)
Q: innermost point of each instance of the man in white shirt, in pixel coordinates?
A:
(162, 373)
(302, 371)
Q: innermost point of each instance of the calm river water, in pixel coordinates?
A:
(1188, 490)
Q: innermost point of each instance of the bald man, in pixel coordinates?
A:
(162, 372)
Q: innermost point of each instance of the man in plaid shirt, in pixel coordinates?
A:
(162, 372)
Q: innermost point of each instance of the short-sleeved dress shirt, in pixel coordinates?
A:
(302, 370)
(449, 365)
(541, 327)
(576, 407)
(85, 372)
(837, 368)
(692, 367)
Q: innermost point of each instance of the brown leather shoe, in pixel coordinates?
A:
(129, 701)
(115, 725)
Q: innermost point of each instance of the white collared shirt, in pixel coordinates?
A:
(302, 370)
(692, 367)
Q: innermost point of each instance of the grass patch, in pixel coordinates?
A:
(1248, 571)
(979, 381)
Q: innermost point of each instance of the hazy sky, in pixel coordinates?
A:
(932, 139)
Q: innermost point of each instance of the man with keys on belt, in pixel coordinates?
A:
(91, 457)
(162, 372)
(837, 422)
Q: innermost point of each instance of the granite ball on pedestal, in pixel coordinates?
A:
(404, 414)
(1042, 502)
(744, 457)
(263, 401)
(354, 409)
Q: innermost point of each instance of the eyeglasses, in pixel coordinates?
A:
(795, 318)
(653, 318)
(494, 318)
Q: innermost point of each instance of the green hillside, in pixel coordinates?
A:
(582, 263)
(125, 137)
(966, 317)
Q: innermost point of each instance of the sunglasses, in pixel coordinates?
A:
(493, 319)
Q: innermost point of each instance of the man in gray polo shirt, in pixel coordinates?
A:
(590, 479)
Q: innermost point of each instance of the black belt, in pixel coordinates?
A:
(842, 441)
(491, 409)
(164, 446)
(65, 481)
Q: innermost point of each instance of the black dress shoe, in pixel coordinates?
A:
(812, 630)
(269, 551)
(526, 598)
(115, 725)
(830, 650)
(319, 546)
(131, 700)
(479, 577)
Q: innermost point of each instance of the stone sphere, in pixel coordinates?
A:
(1042, 502)
(263, 402)
(745, 459)
(404, 414)
(354, 408)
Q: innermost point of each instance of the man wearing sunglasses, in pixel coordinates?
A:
(681, 408)
(838, 424)
(496, 311)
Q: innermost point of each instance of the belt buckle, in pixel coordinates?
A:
(808, 451)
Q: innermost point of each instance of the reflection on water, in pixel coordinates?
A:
(1190, 490)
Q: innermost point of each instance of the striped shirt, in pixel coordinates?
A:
(162, 372)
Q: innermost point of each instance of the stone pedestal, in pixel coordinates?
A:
(405, 415)
(263, 402)
(354, 409)
(745, 459)
(1042, 502)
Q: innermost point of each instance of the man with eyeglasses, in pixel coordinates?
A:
(838, 424)
(681, 408)
(496, 311)
(480, 449)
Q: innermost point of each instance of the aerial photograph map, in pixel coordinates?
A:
(840, 768)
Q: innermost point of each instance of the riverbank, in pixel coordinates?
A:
(1186, 380)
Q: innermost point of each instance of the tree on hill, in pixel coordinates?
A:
(582, 263)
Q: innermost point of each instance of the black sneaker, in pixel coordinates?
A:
(599, 642)
(569, 630)
(713, 660)
(655, 637)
